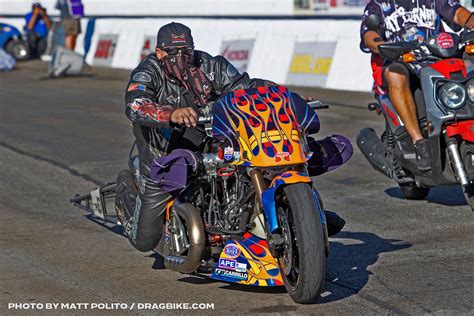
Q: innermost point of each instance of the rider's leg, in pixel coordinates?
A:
(397, 77)
(143, 216)
(398, 81)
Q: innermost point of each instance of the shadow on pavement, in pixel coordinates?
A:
(350, 255)
(449, 195)
(115, 228)
(159, 263)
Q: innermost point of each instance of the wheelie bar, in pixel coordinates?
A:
(95, 201)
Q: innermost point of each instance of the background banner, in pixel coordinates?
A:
(104, 53)
(238, 52)
(149, 44)
(310, 63)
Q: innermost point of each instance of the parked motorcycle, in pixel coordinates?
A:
(445, 108)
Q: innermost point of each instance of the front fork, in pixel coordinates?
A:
(456, 161)
(275, 241)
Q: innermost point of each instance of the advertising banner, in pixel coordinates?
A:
(104, 53)
(310, 64)
(238, 52)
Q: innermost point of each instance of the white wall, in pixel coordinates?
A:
(272, 53)
(161, 7)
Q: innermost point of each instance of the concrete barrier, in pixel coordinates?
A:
(276, 46)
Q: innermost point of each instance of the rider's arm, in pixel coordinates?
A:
(464, 17)
(448, 10)
(140, 101)
(371, 40)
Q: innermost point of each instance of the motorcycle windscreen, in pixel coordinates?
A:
(264, 126)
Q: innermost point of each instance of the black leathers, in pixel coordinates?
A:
(149, 101)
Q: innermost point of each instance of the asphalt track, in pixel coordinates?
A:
(60, 137)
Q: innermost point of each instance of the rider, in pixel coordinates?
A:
(407, 20)
(164, 96)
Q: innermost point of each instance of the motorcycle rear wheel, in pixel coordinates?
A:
(303, 261)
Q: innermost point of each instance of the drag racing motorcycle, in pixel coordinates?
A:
(445, 108)
(248, 213)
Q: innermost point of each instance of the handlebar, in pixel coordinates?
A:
(204, 119)
(318, 105)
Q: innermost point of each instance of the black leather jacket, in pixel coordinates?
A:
(151, 97)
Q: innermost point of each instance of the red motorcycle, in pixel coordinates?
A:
(445, 106)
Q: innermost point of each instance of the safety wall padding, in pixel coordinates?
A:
(276, 41)
(161, 7)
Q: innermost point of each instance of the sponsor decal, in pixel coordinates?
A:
(391, 115)
(210, 76)
(176, 39)
(282, 154)
(231, 274)
(172, 99)
(141, 77)
(241, 267)
(444, 40)
(421, 16)
(136, 86)
(227, 264)
(232, 251)
(228, 153)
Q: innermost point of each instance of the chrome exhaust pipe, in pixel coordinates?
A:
(196, 238)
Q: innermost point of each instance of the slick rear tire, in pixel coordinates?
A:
(20, 50)
(305, 279)
(412, 192)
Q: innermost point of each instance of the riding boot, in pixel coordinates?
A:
(422, 152)
(334, 223)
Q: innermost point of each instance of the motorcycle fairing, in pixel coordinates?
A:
(464, 129)
(390, 112)
(249, 262)
(264, 126)
(448, 66)
(268, 196)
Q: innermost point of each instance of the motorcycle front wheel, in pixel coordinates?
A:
(302, 261)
